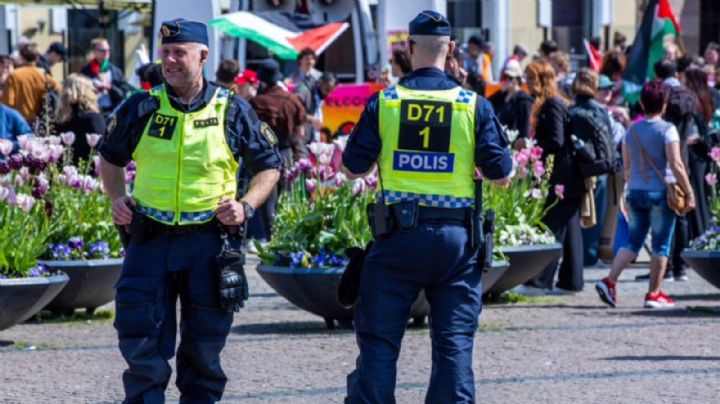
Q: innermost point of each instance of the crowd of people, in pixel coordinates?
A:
(664, 138)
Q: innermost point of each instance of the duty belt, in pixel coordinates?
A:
(162, 229)
(430, 214)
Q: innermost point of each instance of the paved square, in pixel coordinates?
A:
(566, 349)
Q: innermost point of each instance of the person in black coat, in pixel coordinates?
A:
(108, 79)
(550, 120)
(512, 105)
(78, 112)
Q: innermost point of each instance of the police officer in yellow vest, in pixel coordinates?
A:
(427, 135)
(186, 138)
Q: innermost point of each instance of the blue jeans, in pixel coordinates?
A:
(648, 210)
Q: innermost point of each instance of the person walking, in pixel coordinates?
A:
(651, 158)
(186, 138)
(549, 121)
(426, 163)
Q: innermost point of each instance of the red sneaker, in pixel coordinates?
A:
(607, 292)
(660, 300)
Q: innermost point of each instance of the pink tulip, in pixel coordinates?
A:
(56, 152)
(560, 190)
(711, 179)
(524, 172)
(70, 171)
(92, 139)
(54, 140)
(6, 147)
(68, 138)
(536, 193)
(539, 169)
(4, 192)
(25, 142)
(303, 165)
(340, 180)
(11, 197)
(129, 177)
(536, 153)
(358, 187)
(25, 202)
(310, 185)
(715, 153)
(521, 158)
(371, 181)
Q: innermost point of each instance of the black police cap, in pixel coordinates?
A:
(180, 30)
(430, 23)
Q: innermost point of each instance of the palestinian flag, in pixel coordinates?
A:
(285, 34)
(658, 22)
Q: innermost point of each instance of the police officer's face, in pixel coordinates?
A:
(182, 63)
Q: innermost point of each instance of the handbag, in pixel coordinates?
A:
(676, 197)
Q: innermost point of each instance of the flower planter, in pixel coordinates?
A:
(525, 263)
(705, 263)
(492, 275)
(21, 298)
(315, 290)
(91, 284)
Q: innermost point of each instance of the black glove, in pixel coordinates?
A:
(349, 285)
(233, 282)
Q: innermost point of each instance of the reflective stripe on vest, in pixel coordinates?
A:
(184, 165)
(428, 146)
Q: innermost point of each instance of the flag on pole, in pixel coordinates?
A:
(657, 24)
(594, 55)
(285, 34)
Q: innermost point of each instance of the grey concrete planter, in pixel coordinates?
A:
(22, 298)
(705, 263)
(315, 290)
(493, 274)
(91, 284)
(525, 263)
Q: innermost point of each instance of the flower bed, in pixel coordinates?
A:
(320, 215)
(49, 208)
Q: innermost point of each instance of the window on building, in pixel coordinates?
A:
(570, 20)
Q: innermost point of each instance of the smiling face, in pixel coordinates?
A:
(182, 63)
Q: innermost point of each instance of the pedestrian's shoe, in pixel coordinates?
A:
(680, 276)
(607, 292)
(660, 300)
(646, 277)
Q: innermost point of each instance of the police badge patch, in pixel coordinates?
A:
(268, 133)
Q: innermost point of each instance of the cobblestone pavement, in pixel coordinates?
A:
(565, 349)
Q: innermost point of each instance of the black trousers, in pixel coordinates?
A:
(563, 220)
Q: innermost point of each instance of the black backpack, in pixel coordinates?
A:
(590, 124)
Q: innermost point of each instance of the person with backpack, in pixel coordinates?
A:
(549, 121)
(651, 161)
(590, 125)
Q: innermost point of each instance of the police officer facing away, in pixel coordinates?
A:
(427, 135)
(186, 137)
